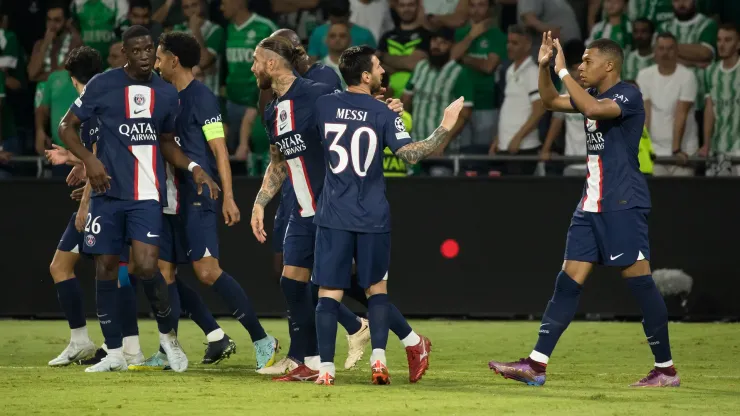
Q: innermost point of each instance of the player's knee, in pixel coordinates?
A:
(106, 268)
(639, 268)
(577, 270)
(60, 271)
(207, 271)
(300, 274)
(377, 289)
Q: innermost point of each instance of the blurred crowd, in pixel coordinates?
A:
(683, 55)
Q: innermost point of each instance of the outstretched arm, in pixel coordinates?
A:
(414, 152)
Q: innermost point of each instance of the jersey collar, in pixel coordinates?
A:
(246, 22)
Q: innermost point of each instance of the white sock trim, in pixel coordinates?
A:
(377, 354)
(131, 344)
(411, 340)
(215, 335)
(665, 364)
(313, 362)
(116, 351)
(539, 357)
(327, 368)
(79, 335)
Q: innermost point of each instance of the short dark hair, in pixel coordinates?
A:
(134, 31)
(182, 45)
(284, 48)
(142, 4)
(648, 22)
(339, 8)
(608, 47)
(83, 63)
(667, 35)
(57, 4)
(519, 30)
(573, 52)
(354, 61)
(731, 27)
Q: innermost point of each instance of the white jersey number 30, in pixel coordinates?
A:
(354, 151)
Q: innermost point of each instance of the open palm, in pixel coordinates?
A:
(545, 53)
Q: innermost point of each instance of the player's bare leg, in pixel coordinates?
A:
(559, 313)
(209, 272)
(326, 330)
(70, 298)
(106, 279)
(377, 313)
(145, 258)
(655, 323)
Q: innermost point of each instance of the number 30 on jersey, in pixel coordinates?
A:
(354, 148)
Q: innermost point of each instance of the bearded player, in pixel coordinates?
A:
(609, 225)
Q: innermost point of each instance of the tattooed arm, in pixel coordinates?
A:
(276, 172)
(414, 152)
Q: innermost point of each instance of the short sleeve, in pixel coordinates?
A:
(464, 88)
(168, 123)
(644, 84)
(42, 95)
(208, 117)
(87, 104)
(708, 37)
(215, 40)
(533, 91)
(629, 101)
(688, 87)
(394, 132)
(529, 6)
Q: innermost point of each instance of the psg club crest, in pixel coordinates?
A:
(283, 116)
(90, 240)
(591, 125)
(139, 99)
(399, 124)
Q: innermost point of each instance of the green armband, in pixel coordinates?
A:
(214, 131)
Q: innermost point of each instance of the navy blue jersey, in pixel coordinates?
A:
(321, 73)
(290, 121)
(131, 116)
(89, 133)
(198, 122)
(614, 180)
(355, 129)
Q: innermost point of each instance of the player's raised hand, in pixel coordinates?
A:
(57, 155)
(231, 211)
(545, 53)
(258, 223)
(202, 178)
(560, 57)
(99, 179)
(76, 195)
(76, 175)
(452, 112)
(394, 104)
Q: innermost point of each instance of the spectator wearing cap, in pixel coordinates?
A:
(339, 12)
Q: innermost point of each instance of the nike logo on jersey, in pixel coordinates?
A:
(139, 110)
(615, 257)
(189, 251)
(150, 235)
(103, 315)
(544, 325)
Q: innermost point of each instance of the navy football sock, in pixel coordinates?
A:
(377, 314)
(397, 322)
(655, 316)
(127, 305)
(106, 292)
(348, 320)
(233, 294)
(70, 299)
(299, 309)
(356, 292)
(174, 297)
(193, 305)
(326, 328)
(158, 295)
(559, 313)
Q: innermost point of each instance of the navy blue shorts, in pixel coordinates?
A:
(200, 226)
(72, 240)
(335, 250)
(300, 239)
(114, 221)
(278, 230)
(615, 238)
(172, 241)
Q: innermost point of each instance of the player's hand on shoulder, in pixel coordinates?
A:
(99, 179)
(76, 195)
(230, 211)
(258, 223)
(452, 112)
(395, 105)
(202, 178)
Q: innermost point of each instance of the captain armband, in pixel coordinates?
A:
(213, 130)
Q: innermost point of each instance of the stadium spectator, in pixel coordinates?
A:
(575, 137)
(548, 15)
(669, 91)
(98, 21)
(437, 80)
(140, 13)
(444, 13)
(642, 55)
(402, 48)
(722, 112)
(339, 12)
(210, 37)
(337, 40)
(615, 26)
(657, 11)
(522, 108)
(116, 58)
(50, 52)
(301, 16)
(697, 38)
(169, 13)
(13, 79)
(480, 47)
(372, 14)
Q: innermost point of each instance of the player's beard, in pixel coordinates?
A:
(264, 82)
(687, 15)
(439, 60)
(376, 85)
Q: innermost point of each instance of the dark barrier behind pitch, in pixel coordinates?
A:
(511, 234)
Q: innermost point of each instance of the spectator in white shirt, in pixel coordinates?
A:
(372, 14)
(669, 91)
(522, 108)
(337, 40)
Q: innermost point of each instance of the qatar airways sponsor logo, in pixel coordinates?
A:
(291, 145)
(138, 132)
